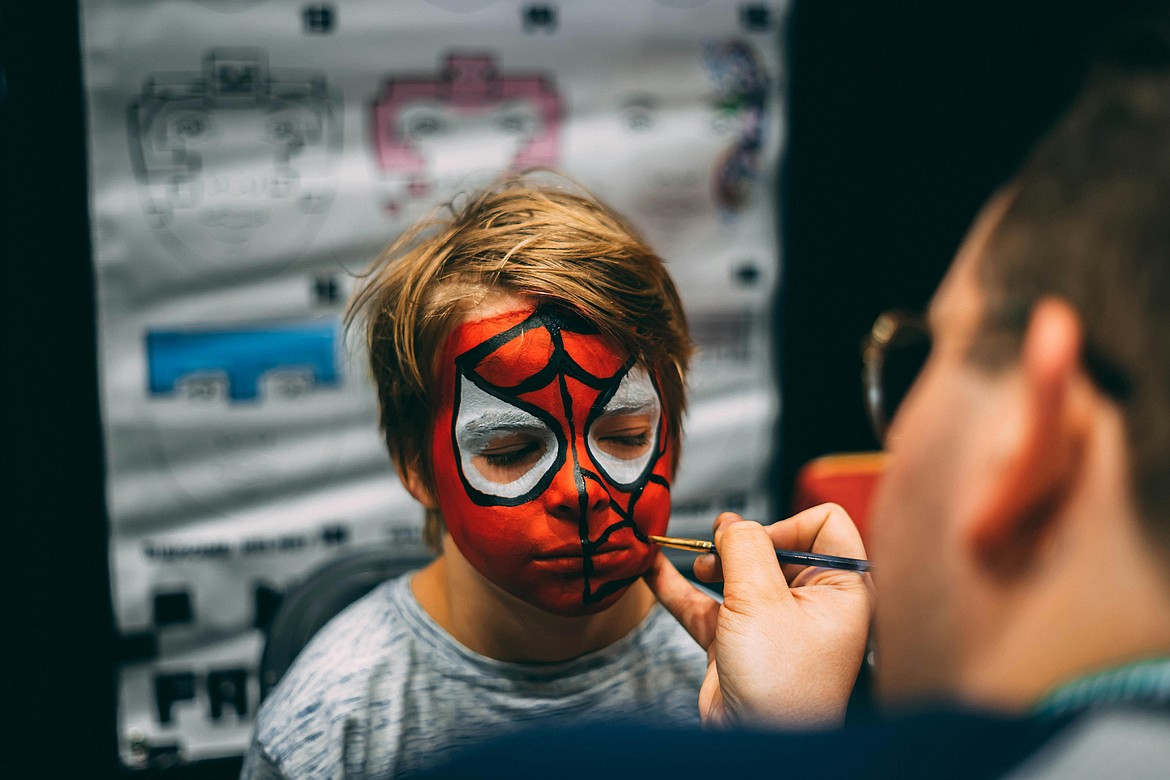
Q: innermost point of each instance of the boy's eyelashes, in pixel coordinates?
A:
(507, 458)
(627, 444)
(623, 435)
(512, 449)
(514, 457)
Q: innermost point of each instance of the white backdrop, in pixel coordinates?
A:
(247, 157)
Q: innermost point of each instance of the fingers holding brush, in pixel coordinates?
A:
(805, 623)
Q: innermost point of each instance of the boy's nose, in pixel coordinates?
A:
(575, 494)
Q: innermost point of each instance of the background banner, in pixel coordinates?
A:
(247, 158)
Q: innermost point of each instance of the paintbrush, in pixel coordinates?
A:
(784, 556)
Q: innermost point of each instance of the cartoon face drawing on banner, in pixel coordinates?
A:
(236, 162)
(551, 458)
(470, 119)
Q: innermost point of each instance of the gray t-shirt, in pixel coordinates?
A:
(383, 691)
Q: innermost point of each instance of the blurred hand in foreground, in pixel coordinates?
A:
(785, 646)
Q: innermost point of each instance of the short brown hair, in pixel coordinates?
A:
(1087, 219)
(550, 241)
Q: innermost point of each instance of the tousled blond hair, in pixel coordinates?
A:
(546, 241)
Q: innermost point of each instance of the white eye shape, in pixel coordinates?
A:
(482, 423)
(623, 438)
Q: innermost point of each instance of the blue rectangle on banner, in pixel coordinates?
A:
(243, 355)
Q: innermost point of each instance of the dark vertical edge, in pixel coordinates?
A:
(59, 618)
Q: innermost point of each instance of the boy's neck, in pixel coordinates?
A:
(491, 622)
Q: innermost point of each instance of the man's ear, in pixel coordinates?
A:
(414, 483)
(1040, 463)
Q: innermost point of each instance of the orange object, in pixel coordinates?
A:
(847, 479)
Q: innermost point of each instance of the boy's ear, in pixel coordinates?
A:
(1040, 463)
(412, 479)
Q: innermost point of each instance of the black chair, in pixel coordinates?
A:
(315, 600)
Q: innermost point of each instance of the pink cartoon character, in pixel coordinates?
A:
(468, 119)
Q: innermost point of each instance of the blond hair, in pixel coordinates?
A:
(522, 237)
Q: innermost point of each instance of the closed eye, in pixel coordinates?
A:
(636, 440)
(626, 436)
(507, 457)
(513, 455)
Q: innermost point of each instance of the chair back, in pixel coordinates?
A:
(314, 601)
(848, 479)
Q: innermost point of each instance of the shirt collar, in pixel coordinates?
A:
(1145, 681)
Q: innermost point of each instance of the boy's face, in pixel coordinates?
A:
(551, 458)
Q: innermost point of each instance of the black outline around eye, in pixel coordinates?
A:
(489, 499)
(598, 409)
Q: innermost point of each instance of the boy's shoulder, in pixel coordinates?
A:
(326, 692)
(335, 667)
(383, 655)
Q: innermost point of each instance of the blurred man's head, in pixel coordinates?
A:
(1023, 528)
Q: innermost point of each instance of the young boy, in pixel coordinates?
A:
(529, 353)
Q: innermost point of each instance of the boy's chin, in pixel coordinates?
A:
(576, 604)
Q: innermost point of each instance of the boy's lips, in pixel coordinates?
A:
(578, 552)
(609, 556)
(621, 540)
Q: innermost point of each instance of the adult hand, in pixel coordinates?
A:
(785, 646)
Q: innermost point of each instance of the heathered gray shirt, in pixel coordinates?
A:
(382, 691)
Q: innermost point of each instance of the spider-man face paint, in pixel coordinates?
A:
(552, 457)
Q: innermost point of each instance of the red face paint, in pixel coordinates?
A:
(551, 459)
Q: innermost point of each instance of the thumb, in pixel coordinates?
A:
(751, 573)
